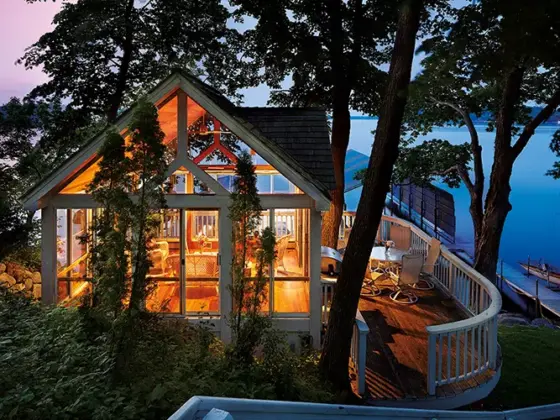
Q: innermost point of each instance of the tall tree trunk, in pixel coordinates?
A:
(339, 145)
(344, 73)
(336, 349)
(496, 210)
(122, 78)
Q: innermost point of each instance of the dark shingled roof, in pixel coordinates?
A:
(302, 132)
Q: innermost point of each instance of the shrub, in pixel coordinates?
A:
(53, 365)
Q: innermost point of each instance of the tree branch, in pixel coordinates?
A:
(476, 149)
(530, 128)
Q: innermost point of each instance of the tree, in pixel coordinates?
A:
(491, 58)
(102, 53)
(34, 137)
(248, 293)
(336, 348)
(332, 50)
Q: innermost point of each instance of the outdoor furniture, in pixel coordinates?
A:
(405, 280)
(400, 235)
(281, 247)
(426, 276)
(386, 258)
(369, 288)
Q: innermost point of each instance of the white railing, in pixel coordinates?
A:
(459, 350)
(241, 409)
(358, 351)
(359, 335)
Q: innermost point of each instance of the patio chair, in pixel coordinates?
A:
(427, 275)
(369, 288)
(406, 278)
(400, 235)
(281, 247)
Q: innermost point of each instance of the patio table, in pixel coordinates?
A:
(393, 255)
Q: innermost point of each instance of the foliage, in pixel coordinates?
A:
(248, 293)
(122, 47)
(555, 148)
(53, 366)
(34, 136)
(494, 58)
(526, 380)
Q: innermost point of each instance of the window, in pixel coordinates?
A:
(72, 253)
(290, 272)
(193, 268)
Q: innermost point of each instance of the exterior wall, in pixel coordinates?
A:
(296, 326)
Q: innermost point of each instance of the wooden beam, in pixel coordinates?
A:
(48, 256)
(315, 277)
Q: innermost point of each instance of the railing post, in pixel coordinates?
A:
(493, 342)
(362, 361)
(431, 364)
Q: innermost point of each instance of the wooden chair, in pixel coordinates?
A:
(427, 274)
(281, 247)
(405, 280)
(400, 235)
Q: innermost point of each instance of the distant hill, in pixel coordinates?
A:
(554, 120)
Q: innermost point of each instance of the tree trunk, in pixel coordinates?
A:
(496, 211)
(339, 145)
(122, 78)
(336, 349)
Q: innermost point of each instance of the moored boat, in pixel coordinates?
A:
(543, 271)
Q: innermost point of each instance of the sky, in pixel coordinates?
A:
(22, 24)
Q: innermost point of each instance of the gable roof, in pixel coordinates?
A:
(272, 137)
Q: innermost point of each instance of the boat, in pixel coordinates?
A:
(542, 271)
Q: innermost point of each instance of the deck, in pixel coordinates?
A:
(397, 346)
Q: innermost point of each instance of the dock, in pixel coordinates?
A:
(521, 283)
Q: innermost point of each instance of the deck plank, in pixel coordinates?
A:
(397, 351)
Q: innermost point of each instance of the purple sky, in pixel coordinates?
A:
(21, 24)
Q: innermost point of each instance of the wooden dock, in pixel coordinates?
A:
(518, 280)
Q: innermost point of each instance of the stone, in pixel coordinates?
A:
(6, 280)
(511, 319)
(28, 282)
(19, 287)
(2, 268)
(541, 322)
(37, 291)
(36, 277)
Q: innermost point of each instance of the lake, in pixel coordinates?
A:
(533, 225)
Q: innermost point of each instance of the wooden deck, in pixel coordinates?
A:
(397, 346)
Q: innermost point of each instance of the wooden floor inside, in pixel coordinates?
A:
(397, 346)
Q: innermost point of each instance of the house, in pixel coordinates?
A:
(204, 132)
(441, 352)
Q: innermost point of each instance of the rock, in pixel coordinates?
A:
(510, 319)
(541, 322)
(2, 268)
(37, 291)
(36, 277)
(28, 282)
(19, 287)
(6, 280)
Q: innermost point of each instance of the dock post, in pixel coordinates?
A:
(502, 275)
(537, 298)
(528, 265)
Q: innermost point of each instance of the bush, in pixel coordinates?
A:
(54, 365)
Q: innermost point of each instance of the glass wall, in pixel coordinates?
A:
(197, 246)
(72, 253)
(290, 272)
(165, 256)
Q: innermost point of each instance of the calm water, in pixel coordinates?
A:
(532, 227)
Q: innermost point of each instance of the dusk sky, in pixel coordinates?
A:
(21, 24)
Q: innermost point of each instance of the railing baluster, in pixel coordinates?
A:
(449, 351)
(465, 353)
(440, 358)
(472, 350)
(457, 354)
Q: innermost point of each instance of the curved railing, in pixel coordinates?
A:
(457, 351)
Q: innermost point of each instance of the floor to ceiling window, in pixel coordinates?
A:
(185, 256)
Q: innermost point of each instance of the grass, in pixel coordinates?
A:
(530, 370)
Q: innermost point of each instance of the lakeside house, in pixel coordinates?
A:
(439, 353)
